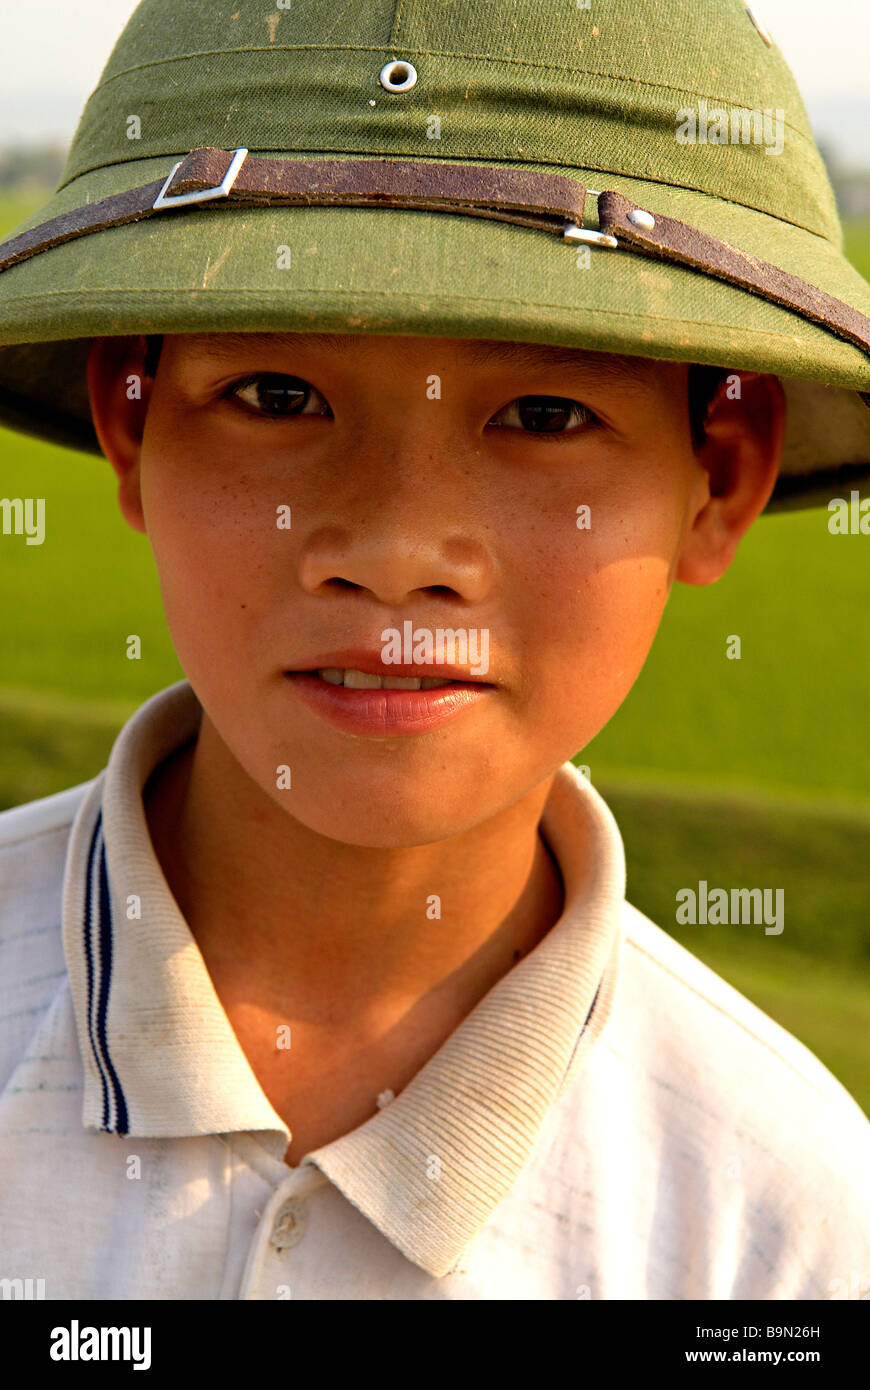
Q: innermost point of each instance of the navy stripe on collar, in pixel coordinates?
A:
(585, 1026)
(98, 955)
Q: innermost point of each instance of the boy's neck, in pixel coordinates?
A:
(301, 926)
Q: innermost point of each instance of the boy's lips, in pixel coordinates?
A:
(370, 662)
(380, 712)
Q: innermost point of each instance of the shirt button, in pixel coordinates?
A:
(289, 1226)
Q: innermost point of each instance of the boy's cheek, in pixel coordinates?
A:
(607, 622)
(202, 528)
(577, 626)
(213, 585)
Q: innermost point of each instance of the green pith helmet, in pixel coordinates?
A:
(433, 167)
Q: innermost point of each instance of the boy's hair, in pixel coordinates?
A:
(703, 382)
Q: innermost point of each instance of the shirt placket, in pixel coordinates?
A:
(282, 1226)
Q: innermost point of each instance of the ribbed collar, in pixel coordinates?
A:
(161, 1059)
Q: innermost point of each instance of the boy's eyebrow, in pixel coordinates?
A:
(534, 356)
(529, 356)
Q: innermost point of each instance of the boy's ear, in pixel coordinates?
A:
(119, 392)
(740, 457)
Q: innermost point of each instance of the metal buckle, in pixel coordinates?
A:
(573, 232)
(220, 191)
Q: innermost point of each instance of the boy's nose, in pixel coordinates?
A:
(395, 564)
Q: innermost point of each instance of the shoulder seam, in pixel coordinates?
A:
(62, 821)
(825, 1095)
(36, 834)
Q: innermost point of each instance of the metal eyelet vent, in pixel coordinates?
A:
(398, 76)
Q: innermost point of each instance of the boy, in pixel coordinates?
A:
(328, 983)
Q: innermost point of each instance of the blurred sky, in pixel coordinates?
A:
(51, 56)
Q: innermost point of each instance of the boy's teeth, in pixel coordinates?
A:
(359, 680)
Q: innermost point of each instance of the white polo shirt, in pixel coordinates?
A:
(611, 1121)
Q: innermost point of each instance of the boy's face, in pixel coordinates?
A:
(420, 491)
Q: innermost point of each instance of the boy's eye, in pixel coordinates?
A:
(278, 394)
(544, 414)
(275, 393)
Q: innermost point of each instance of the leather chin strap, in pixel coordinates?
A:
(546, 202)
